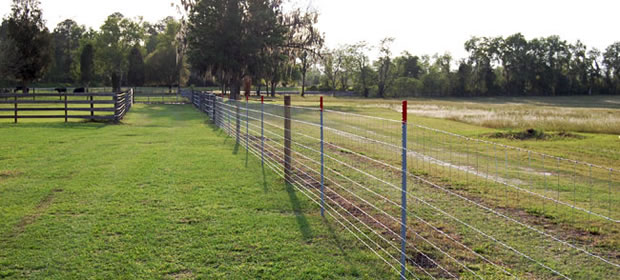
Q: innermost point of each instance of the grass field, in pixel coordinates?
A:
(595, 235)
(162, 195)
(177, 199)
(597, 118)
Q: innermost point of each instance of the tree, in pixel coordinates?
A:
(361, 64)
(384, 66)
(236, 38)
(135, 75)
(305, 41)
(408, 66)
(344, 64)
(611, 61)
(26, 51)
(113, 43)
(66, 42)
(87, 64)
(330, 71)
(163, 65)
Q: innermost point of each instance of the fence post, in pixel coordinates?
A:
(115, 98)
(238, 121)
(214, 98)
(200, 103)
(92, 106)
(403, 229)
(127, 102)
(15, 100)
(287, 139)
(322, 165)
(262, 130)
(247, 123)
(66, 111)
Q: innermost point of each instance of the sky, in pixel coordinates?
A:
(420, 27)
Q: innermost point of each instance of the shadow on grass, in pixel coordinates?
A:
(334, 236)
(265, 187)
(302, 222)
(58, 125)
(236, 148)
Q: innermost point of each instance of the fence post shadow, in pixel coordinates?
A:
(302, 222)
(265, 187)
(334, 236)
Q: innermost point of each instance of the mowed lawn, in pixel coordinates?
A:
(164, 195)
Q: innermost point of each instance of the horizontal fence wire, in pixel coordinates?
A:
(465, 217)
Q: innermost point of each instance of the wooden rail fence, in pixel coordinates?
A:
(100, 106)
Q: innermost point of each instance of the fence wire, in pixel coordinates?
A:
(473, 205)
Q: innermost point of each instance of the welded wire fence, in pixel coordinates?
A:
(473, 209)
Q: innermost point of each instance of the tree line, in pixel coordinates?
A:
(229, 43)
(123, 51)
(495, 66)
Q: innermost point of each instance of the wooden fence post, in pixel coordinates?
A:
(92, 107)
(214, 108)
(15, 100)
(287, 139)
(66, 111)
(115, 98)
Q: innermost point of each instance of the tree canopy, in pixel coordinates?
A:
(222, 42)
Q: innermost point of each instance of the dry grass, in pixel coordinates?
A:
(590, 114)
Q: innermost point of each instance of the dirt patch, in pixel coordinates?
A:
(183, 274)
(384, 225)
(41, 207)
(533, 134)
(189, 221)
(5, 174)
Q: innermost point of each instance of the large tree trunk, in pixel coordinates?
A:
(273, 88)
(116, 83)
(235, 88)
(25, 89)
(260, 85)
(381, 90)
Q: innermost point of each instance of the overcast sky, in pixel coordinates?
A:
(421, 27)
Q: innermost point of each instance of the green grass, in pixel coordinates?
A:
(595, 117)
(184, 180)
(163, 195)
(596, 235)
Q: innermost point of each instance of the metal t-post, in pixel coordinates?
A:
(322, 164)
(287, 139)
(247, 123)
(403, 215)
(262, 130)
(237, 122)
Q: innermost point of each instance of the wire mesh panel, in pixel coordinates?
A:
(476, 209)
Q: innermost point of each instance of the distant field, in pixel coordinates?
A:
(595, 117)
(590, 114)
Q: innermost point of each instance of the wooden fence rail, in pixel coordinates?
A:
(114, 106)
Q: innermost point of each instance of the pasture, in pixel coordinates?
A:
(161, 195)
(167, 194)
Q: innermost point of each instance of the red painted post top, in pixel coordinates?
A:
(405, 111)
(247, 97)
(262, 99)
(321, 103)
